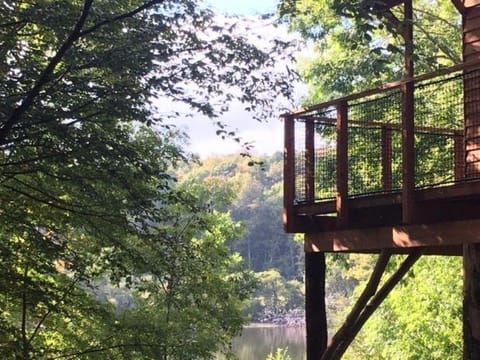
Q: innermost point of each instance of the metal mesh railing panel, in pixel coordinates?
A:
(446, 140)
(438, 117)
(396, 160)
(325, 155)
(373, 123)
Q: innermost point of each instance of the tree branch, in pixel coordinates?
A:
(446, 50)
(45, 76)
(369, 291)
(54, 204)
(120, 17)
(339, 348)
(13, 23)
(50, 310)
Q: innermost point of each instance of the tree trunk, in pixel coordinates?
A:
(316, 318)
(471, 301)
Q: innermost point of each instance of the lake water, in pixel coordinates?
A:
(256, 342)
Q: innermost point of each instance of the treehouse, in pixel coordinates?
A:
(390, 170)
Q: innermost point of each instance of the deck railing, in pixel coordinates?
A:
(358, 145)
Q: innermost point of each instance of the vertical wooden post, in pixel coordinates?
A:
(386, 159)
(471, 169)
(315, 309)
(408, 125)
(289, 174)
(342, 164)
(471, 83)
(459, 157)
(471, 302)
(310, 161)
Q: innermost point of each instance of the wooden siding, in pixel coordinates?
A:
(471, 52)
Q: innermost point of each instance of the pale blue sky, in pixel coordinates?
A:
(244, 7)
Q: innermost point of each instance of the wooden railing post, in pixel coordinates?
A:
(310, 162)
(408, 123)
(459, 156)
(387, 159)
(289, 174)
(342, 163)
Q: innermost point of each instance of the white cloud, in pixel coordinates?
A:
(266, 137)
(243, 7)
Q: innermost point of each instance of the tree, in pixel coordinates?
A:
(179, 266)
(86, 186)
(275, 296)
(253, 195)
(358, 45)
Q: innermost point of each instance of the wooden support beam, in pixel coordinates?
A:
(471, 52)
(315, 308)
(289, 174)
(408, 122)
(342, 164)
(343, 332)
(310, 161)
(471, 169)
(394, 237)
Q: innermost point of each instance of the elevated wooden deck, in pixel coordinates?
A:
(391, 170)
(447, 217)
(357, 180)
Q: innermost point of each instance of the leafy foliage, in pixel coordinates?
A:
(253, 195)
(274, 296)
(421, 319)
(280, 354)
(179, 267)
(86, 187)
(358, 45)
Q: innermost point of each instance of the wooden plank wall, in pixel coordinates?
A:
(471, 52)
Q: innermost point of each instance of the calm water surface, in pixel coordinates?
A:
(256, 342)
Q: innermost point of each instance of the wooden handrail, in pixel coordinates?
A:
(471, 65)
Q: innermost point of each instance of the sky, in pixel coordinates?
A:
(266, 137)
(244, 7)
